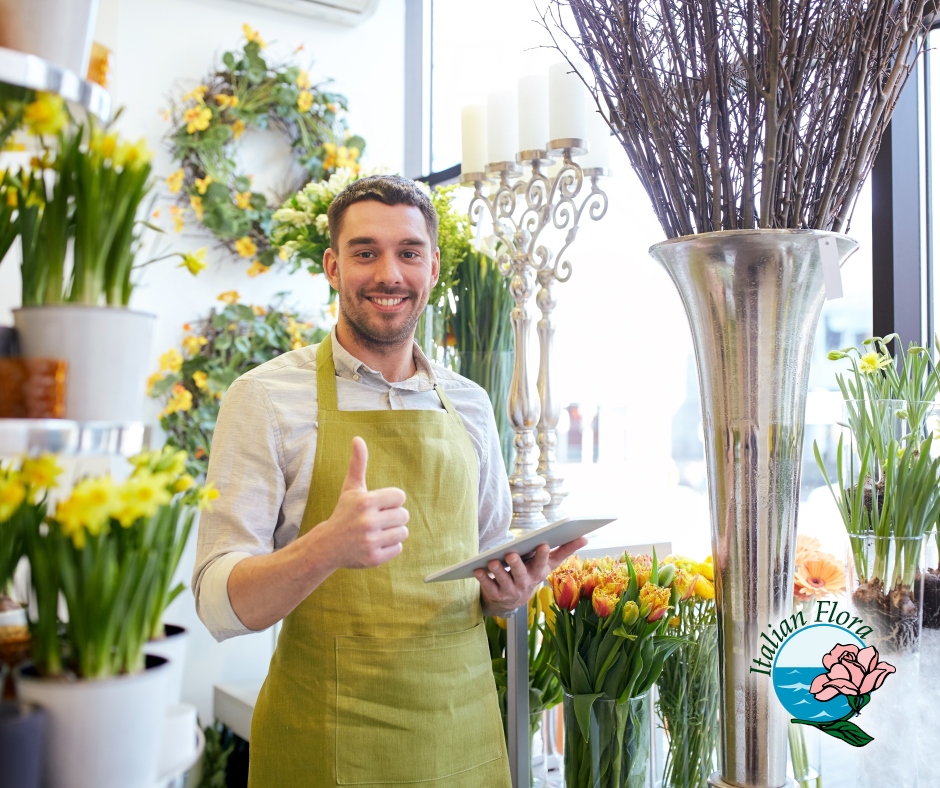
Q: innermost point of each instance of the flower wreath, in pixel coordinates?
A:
(251, 92)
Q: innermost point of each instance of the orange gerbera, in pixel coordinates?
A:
(819, 576)
(806, 548)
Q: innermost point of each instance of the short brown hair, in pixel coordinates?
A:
(387, 189)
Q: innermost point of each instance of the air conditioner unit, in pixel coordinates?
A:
(344, 12)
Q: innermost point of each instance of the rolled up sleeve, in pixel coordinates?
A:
(245, 465)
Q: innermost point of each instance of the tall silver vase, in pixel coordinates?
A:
(753, 299)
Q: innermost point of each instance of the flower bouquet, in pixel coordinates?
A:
(215, 351)
(611, 643)
(688, 686)
(544, 690)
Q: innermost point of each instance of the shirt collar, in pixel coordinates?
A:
(348, 366)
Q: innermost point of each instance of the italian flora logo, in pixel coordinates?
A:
(823, 673)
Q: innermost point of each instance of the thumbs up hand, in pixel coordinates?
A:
(367, 528)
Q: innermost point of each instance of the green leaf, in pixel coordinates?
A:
(582, 711)
(847, 731)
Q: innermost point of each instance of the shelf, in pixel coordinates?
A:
(29, 71)
(77, 438)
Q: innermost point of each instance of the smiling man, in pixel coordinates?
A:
(349, 471)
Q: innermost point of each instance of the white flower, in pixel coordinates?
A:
(290, 216)
(322, 223)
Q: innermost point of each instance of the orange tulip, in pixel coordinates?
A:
(604, 600)
(654, 602)
(643, 566)
(684, 583)
(566, 588)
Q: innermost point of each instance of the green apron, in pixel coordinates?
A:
(378, 678)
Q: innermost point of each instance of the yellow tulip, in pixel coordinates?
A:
(704, 588)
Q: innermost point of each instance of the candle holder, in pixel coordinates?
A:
(520, 211)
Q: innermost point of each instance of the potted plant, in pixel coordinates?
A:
(83, 193)
(101, 549)
(752, 126)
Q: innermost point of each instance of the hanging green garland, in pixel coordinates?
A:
(249, 92)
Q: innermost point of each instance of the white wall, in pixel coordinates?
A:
(162, 48)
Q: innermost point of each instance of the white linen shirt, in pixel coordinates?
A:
(265, 443)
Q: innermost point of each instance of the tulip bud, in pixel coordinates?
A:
(630, 614)
(667, 573)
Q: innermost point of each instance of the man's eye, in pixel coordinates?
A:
(410, 255)
(366, 254)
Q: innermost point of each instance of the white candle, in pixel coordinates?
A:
(502, 123)
(533, 112)
(566, 97)
(473, 138)
(598, 137)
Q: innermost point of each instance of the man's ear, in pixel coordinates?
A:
(331, 268)
(435, 266)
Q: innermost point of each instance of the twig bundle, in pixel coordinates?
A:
(740, 114)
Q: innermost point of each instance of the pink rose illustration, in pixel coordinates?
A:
(851, 672)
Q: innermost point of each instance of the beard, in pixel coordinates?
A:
(374, 329)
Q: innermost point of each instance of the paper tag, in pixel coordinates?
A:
(832, 275)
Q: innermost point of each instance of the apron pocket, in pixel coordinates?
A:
(415, 709)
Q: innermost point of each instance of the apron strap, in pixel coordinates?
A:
(326, 375)
(445, 401)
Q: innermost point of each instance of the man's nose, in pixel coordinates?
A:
(388, 270)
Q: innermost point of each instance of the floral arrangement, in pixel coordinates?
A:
(611, 641)
(887, 486)
(687, 705)
(544, 690)
(248, 91)
(216, 349)
(110, 550)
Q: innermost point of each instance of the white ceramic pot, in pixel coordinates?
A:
(173, 648)
(101, 734)
(59, 31)
(107, 352)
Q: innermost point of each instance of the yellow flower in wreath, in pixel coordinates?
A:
(171, 361)
(304, 101)
(197, 119)
(194, 262)
(193, 345)
(196, 202)
(180, 401)
(152, 381)
(229, 297)
(256, 269)
(202, 184)
(201, 379)
(243, 200)
(196, 94)
(226, 101)
(174, 181)
(46, 115)
(253, 35)
(177, 214)
(238, 128)
(303, 79)
(246, 247)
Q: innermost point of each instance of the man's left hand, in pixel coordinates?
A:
(503, 590)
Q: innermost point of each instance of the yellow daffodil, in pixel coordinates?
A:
(225, 101)
(202, 184)
(201, 379)
(88, 508)
(12, 494)
(304, 101)
(105, 145)
(181, 400)
(238, 128)
(196, 94)
(174, 181)
(259, 311)
(246, 247)
(253, 35)
(256, 269)
(194, 262)
(229, 297)
(873, 362)
(133, 154)
(196, 202)
(11, 198)
(194, 344)
(152, 381)
(243, 200)
(141, 496)
(303, 80)
(40, 473)
(197, 119)
(207, 495)
(171, 361)
(184, 483)
(46, 115)
(176, 213)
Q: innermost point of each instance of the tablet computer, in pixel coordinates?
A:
(558, 533)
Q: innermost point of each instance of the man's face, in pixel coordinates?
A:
(384, 269)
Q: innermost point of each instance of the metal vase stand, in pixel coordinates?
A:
(519, 206)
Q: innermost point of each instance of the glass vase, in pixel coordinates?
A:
(611, 749)
(687, 707)
(884, 588)
(492, 371)
(928, 742)
(805, 756)
(538, 766)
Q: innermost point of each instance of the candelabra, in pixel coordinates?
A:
(520, 207)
